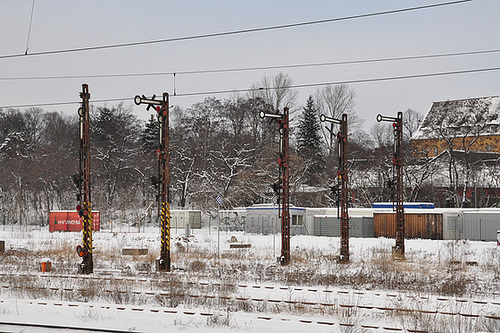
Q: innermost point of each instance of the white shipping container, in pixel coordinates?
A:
(481, 225)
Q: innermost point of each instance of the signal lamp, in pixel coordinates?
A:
(82, 252)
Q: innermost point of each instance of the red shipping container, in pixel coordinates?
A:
(69, 220)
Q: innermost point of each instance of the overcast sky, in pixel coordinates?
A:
(63, 25)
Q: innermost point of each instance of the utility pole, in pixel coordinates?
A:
(283, 163)
(84, 207)
(397, 162)
(163, 154)
(342, 181)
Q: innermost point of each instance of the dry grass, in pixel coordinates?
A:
(310, 267)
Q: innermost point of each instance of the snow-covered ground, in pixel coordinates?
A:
(445, 286)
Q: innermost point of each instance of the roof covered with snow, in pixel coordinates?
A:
(464, 117)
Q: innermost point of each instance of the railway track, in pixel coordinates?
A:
(202, 300)
(195, 314)
(6, 326)
(294, 299)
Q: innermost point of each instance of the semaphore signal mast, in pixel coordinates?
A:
(84, 206)
(163, 154)
(342, 179)
(397, 162)
(283, 163)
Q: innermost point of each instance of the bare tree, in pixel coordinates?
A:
(176, 116)
(412, 120)
(202, 124)
(182, 171)
(381, 135)
(276, 91)
(34, 125)
(115, 135)
(333, 101)
(417, 173)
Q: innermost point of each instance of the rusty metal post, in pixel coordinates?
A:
(342, 180)
(398, 163)
(85, 201)
(164, 175)
(283, 163)
(397, 124)
(285, 189)
(163, 154)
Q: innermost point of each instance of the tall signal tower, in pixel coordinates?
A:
(84, 207)
(163, 154)
(283, 163)
(342, 185)
(397, 161)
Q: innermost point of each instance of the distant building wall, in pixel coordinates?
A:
(330, 226)
(179, 218)
(417, 225)
(434, 147)
(265, 220)
(481, 225)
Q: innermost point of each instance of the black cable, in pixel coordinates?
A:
(308, 85)
(234, 32)
(29, 28)
(347, 62)
(298, 86)
(246, 69)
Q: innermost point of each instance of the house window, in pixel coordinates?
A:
(489, 148)
(435, 151)
(297, 219)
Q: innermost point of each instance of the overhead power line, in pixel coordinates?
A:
(298, 86)
(233, 32)
(319, 84)
(29, 27)
(246, 69)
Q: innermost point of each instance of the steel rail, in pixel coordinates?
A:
(64, 327)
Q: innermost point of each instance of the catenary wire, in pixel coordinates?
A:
(297, 86)
(29, 27)
(319, 84)
(233, 32)
(246, 69)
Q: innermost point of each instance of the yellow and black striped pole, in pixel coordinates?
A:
(164, 198)
(84, 197)
(88, 240)
(164, 263)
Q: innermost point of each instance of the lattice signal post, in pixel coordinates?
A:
(397, 161)
(283, 162)
(84, 207)
(163, 154)
(342, 179)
